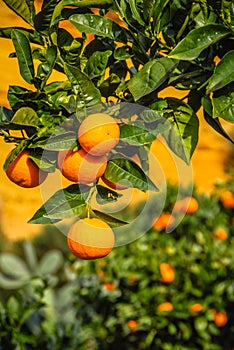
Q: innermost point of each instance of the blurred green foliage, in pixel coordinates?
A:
(52, 300)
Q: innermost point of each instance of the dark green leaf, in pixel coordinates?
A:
(157, 11)
(223, 103)
(45, 69)
(101, 26)
(25, 116)
(151, 76)
(223, 73)
(24, 55)
(32, 36)
(124, 170)
(183, 137)
(197, 40)
(65, 203)
(42, 20)
(214, 122)
(97, 64)
(23, 8)
(135, 12)
(5, 116)
(87, 93)
(112, 221)
(104, 194)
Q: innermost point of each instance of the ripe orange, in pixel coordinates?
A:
(132, 324)
(167, 272)
(220, 318)
(113, 185)
(163, 221)
(165, 307)
(79, 166)
(109, 286)
(98, 134)
(227, 199)
(221, 234)
(196, 307)
(90, 238)
(187, 205)
(24, 172)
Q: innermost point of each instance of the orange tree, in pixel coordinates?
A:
(125, 51)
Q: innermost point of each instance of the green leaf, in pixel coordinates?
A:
(12, 265)
(135, 135)
(7, 283)
(50, 262)
(110, 220)
(214, 122)
(223, 103)
(197, 40)
(65, 203)
(24, 55)
(24, 8)
(32, 36)
(42, 20)
(151, 76)
(87, 93)
(183, 137)
(119, 170)
(58, 142)
(223, 73)
(25, 116)
(101, 26)
(5, 116)
(104, 194)
(47, 163)
(15, 152)
(45, 68)
(135, 12)
(157, 11)
(97, 64)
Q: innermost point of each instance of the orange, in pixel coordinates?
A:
(227, 199)
(167, 272)
(24, 172)
(98, 134)
(90, 238)
(221, 234)
(109, 286)
(220, 318)
(113, 185)
(187, 205)
(165, 307)
(196, 307)
(132, 324)
(79, 166)
(163, 221)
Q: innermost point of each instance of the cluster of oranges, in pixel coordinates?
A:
(97, 135)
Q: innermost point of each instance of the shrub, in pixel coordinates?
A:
(116, 302)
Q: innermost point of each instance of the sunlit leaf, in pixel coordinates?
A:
(223, 73)
(197, 40)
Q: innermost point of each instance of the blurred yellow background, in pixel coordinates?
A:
(17, 204)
